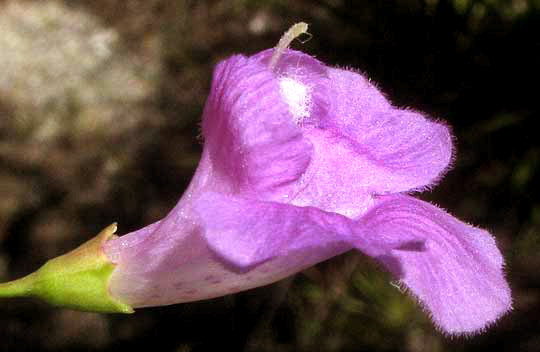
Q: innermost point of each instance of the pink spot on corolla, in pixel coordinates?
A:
(303, 162)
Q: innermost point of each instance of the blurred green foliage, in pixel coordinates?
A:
(99, 109)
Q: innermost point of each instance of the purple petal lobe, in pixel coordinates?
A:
(458, 276)
(405, 150)
(251, 135)
(248, 232)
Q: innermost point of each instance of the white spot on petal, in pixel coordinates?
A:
(297, 97)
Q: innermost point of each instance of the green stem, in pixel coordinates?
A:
(78, 279)
(18, 288)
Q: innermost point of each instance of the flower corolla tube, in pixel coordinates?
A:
(302, 162)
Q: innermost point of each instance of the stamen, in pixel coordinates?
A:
(294, 32)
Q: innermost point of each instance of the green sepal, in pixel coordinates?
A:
(77, 280)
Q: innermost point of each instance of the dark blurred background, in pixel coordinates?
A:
(99, 109)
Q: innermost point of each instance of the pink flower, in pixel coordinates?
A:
(303, 162)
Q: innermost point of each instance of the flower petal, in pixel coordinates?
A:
(362, 145)
(307, 72)
(458, 278)
(248, 232)
(251, 137)
(407, 150)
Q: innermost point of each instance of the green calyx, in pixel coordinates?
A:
(77, 280)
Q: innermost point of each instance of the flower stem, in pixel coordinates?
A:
(17, 288)
(78, 279)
